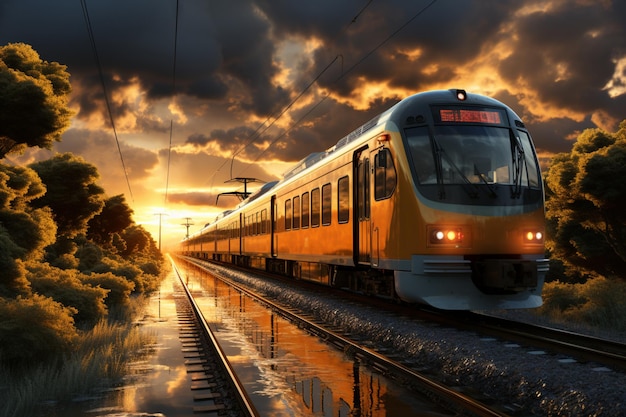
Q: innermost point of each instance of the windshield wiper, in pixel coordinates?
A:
(471, 191)
(480, 175)
(439, 168)
(519, 163)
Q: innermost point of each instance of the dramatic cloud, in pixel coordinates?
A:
(259, 84)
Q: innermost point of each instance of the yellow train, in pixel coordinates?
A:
(438, 200)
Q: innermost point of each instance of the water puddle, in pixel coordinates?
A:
(157, 384)
(287, 371)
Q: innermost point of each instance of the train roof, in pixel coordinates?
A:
(429, 97)
(397, 111)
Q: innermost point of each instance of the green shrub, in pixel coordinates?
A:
(119, 288)
(34, 329)
(599, 302)
(66, 287)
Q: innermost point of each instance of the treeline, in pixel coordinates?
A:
(70, 256)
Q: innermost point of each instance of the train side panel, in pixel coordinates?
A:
(313, 228)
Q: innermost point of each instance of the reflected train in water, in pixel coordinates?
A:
(438, 200)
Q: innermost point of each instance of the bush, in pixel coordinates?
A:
(599, 302)
(119, 288)
(34, 330)
(66, 287)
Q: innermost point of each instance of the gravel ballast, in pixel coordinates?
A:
(529, 380)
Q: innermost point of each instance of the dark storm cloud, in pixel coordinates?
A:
(322, 129)
(564, 52)
(567, 54)
(448, 35)
(218, 43)
(234, 139)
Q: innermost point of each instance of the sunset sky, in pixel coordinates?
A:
(259, 84)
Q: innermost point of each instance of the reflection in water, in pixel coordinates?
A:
(288, 371)
(178, 379)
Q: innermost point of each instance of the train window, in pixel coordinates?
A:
(263, 221)
(288, 214)
(315, 207)
(327, 204)
(422, 155)
(305, 210)
(531, 176)
(257, 228)
(384, 175)
(296, 212)
(343, 199)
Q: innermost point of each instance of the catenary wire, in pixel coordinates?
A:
(169, 148)
(343, 74)
(104, 90)
(255, 134)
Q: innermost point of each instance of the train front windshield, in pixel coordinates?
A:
(474, 164)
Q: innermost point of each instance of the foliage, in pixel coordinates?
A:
(119, 288)
(24, 231)
(33, 99)
(69, 255)
(599, 302)
(73, 195)
(34, 329)
(113, 219)
(584, 207)
(69, 287)
(101, 356)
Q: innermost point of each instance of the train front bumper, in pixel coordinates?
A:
(446, 282)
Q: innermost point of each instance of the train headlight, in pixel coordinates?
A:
(533, 236)
(445, 235)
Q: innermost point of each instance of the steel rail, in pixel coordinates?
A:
(462, 402)
(580, 346)
(244, 401)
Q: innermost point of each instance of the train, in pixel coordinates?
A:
(439, 200)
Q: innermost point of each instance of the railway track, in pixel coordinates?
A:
(582, 347)
(452, 399)
(219, 389)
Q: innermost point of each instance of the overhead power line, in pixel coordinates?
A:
(344, 73)
(169, 148)
(387, 39)
(104, 90)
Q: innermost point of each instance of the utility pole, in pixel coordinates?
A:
(160, 217)
(187, 224)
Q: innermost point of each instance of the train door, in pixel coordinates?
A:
(241, 229)
(363, 235)
(273, 237)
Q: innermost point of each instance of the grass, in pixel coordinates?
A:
(100, 360)
(598, 303)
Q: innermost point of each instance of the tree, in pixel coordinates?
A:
(73, 195)
(115, 216)
(33, 99)
(24, 231)
(586, 195)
